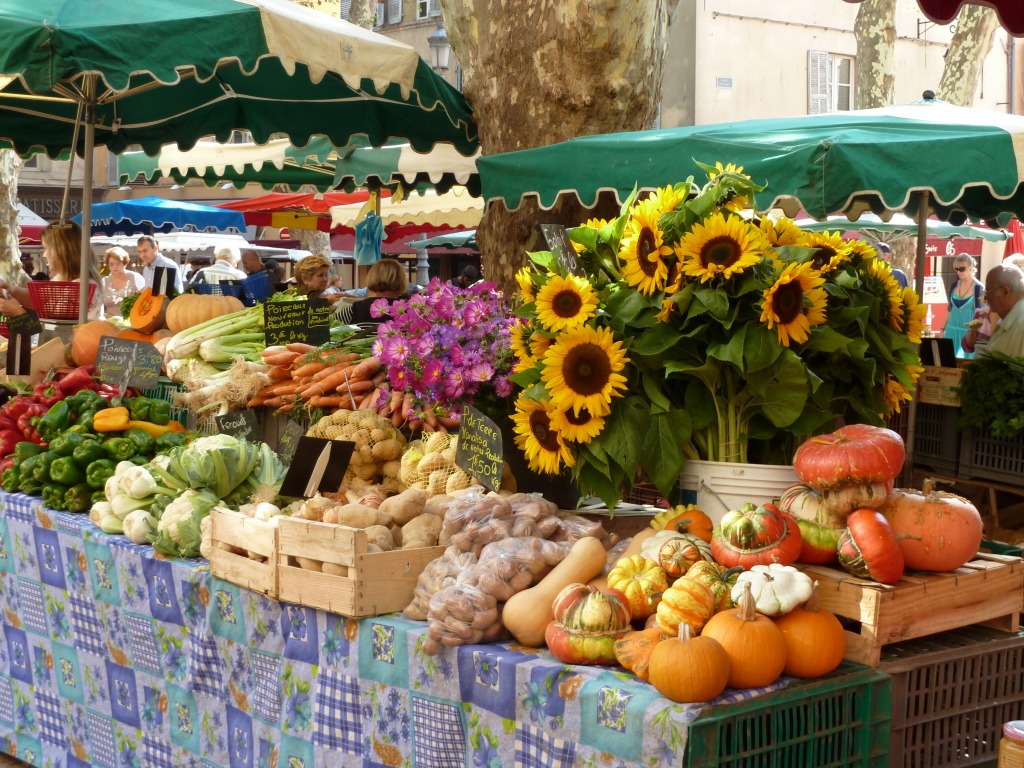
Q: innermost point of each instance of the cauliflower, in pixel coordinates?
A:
(179, 527)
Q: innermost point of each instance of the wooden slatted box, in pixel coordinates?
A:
(233, 529)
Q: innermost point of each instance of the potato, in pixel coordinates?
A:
(387, 450)
(436, 441)
(335, 569)
(438, 481)
(391, 469)
(421, 531)
(458, 481)
(364, 471)
(405, 506)
(361, 436)
(431, 462)
(378, 435)
(360, 516)
(381, 536)
(309, 565)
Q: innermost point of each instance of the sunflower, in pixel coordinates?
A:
(539, 344)
(780, 232)
(735, 203)
(861, 252)
(913, 315)
(729, 168)
(878, 275)
(895, 394)
(582, 370)
(831, 251)
(794, 303)
(536, 436)
(519, 338)
(565, 302)
(524, 279)
(666, 199)
(720, 246)
(579, 427)
(597, 224)
(642, 249)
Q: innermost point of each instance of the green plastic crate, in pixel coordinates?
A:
(840, 720)
(165, 390)
(1000, 548)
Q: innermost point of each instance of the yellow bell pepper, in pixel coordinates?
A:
(155, 430)
(111, 420)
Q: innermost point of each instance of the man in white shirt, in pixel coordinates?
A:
(1004, 289)
(152, 258)
(224, 268)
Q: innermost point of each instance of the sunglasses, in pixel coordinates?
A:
(962, 269)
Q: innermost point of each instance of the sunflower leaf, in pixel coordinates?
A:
(544, 260)
(827, 340)
(657, 340)
(663, 449)
(659, 403)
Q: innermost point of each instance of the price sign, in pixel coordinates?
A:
(27, 322)
(480, 450)
(128, 363)
(19, 354)
(319, 465)
(561, 246)
(305, 321)
(288, 441)
(242, 424)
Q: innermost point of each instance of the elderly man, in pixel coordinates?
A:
(1004, 289)
(224, 268)
(152, 258)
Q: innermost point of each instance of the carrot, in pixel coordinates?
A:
(256, 401)
(331, 370)
(427, 427)
(371, 400)
(283, 388)
(396, 401)
(380, 378)
(272, 350)
(280, 358)
(333, 401)
(407, 404)
(366, 367)
(414, 424)
(273, 402)
(308, 369)
(279, 373)
(448, 423)
(286, 408)
(363, 385)
(300, 348)
(328, 384)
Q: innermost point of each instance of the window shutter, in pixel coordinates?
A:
(435, 7)
(380, 14)
(843, 84)
(394, 11)
(346, 9)
(817, 82)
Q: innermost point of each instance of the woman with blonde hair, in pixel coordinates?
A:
(965, 298)
(311, 278)
(120, 283)
(62, 251)
(386, 279)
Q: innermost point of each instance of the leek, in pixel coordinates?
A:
(186, 343)
(224, 349)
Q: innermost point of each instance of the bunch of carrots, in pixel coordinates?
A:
(340, 377)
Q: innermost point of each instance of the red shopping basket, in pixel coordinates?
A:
(57, 299)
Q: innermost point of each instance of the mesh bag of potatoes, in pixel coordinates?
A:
(429, 464)
(379, 445)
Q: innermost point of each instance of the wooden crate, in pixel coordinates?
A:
(986, 590)
(376, 582)
(238, 530)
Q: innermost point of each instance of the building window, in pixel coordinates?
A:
(829, 82)
(427, 8)
(32, 162)
(394, 11)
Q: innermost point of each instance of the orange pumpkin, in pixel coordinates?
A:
(691, 520)
(641, 581)
(633, 650)
(685, 602)
(148, 311)
(85, 340)
(152, 338)
(719, 579)
(755, 646)
(689, 669)
(815, 640)
(678, 554)
(937, 531)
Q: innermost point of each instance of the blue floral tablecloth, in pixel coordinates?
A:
(121, 660)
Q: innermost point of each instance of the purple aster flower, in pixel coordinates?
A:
(502, 386)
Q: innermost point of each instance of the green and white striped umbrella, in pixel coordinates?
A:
(318, 164)
(964, 162)
(898, 227)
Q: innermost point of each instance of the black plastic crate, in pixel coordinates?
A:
(937, 437)
(985, 456)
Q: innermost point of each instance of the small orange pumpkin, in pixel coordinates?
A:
(689, 669)
(633, 650)
(641, 581)
(685, 602)
(755, 646)
(815, 640)
(691, 520)
(937, 531)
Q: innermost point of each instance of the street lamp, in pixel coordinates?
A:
(440, 50)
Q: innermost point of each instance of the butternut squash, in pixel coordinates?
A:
(527, 614)
(636, 543)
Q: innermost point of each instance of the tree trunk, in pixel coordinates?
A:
(10, 254)
(975, 30)
(363, 13)
(313, 240)
(875, 33)
(542, 71)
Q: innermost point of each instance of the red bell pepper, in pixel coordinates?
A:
(76, 381)
(8, 439)
(6, 463)
(27, 421)
(47, 394)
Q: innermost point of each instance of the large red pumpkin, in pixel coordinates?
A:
(940, 531)
(858, 454)
(868, 548)
(756, 535)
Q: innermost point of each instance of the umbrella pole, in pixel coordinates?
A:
(84, 268)
(919, 262)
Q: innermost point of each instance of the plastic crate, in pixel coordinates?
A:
(165, 389)
(937, 437)
(985, 456)
(219, 289)
(1000, 548)
(951, 694)
(256, 288)
(57, 299)
(841, 719)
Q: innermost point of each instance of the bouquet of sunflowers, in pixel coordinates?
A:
(697, 332)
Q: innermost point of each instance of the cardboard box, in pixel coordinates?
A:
(939, 386)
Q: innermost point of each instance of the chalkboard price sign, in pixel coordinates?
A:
(304, 321)
(561, 246)
(127, 363)
(241, 424)
(288, 441)
(28, 322)
(480, 450)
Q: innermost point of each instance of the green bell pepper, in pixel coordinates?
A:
(97, 496)
(99, 471)
(41, 469)
(55, 421)
(67, 471)
(85, 418)
(88, 452)
(144, 442)
(139, 460)
(150, 409)
(27, 465)
(170, 440)
(29, 485)
(78, 498)
(65, 444)
(25, 449)
(10, 479)
(119, 448)
(53, 495)
(85, 400)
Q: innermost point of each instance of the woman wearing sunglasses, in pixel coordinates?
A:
(965, 297)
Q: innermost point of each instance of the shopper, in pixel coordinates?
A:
(965, 297)
(223, 270)
(120, 283)
(311, 278)
(386, 279)
(1004, 286)
(149, 253)
(467, 277)
(251, 262)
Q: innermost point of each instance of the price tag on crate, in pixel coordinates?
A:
(128, 363)
(318, 465)
(19, 353)
(562, 249)
(480, 449)
(27, 322)
(242, 424)
(305, 321)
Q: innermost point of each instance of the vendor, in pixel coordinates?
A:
(311, 278)
(62, 252)
(386, 279)
(120, 283)
(1004, 286)
(965, 297)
